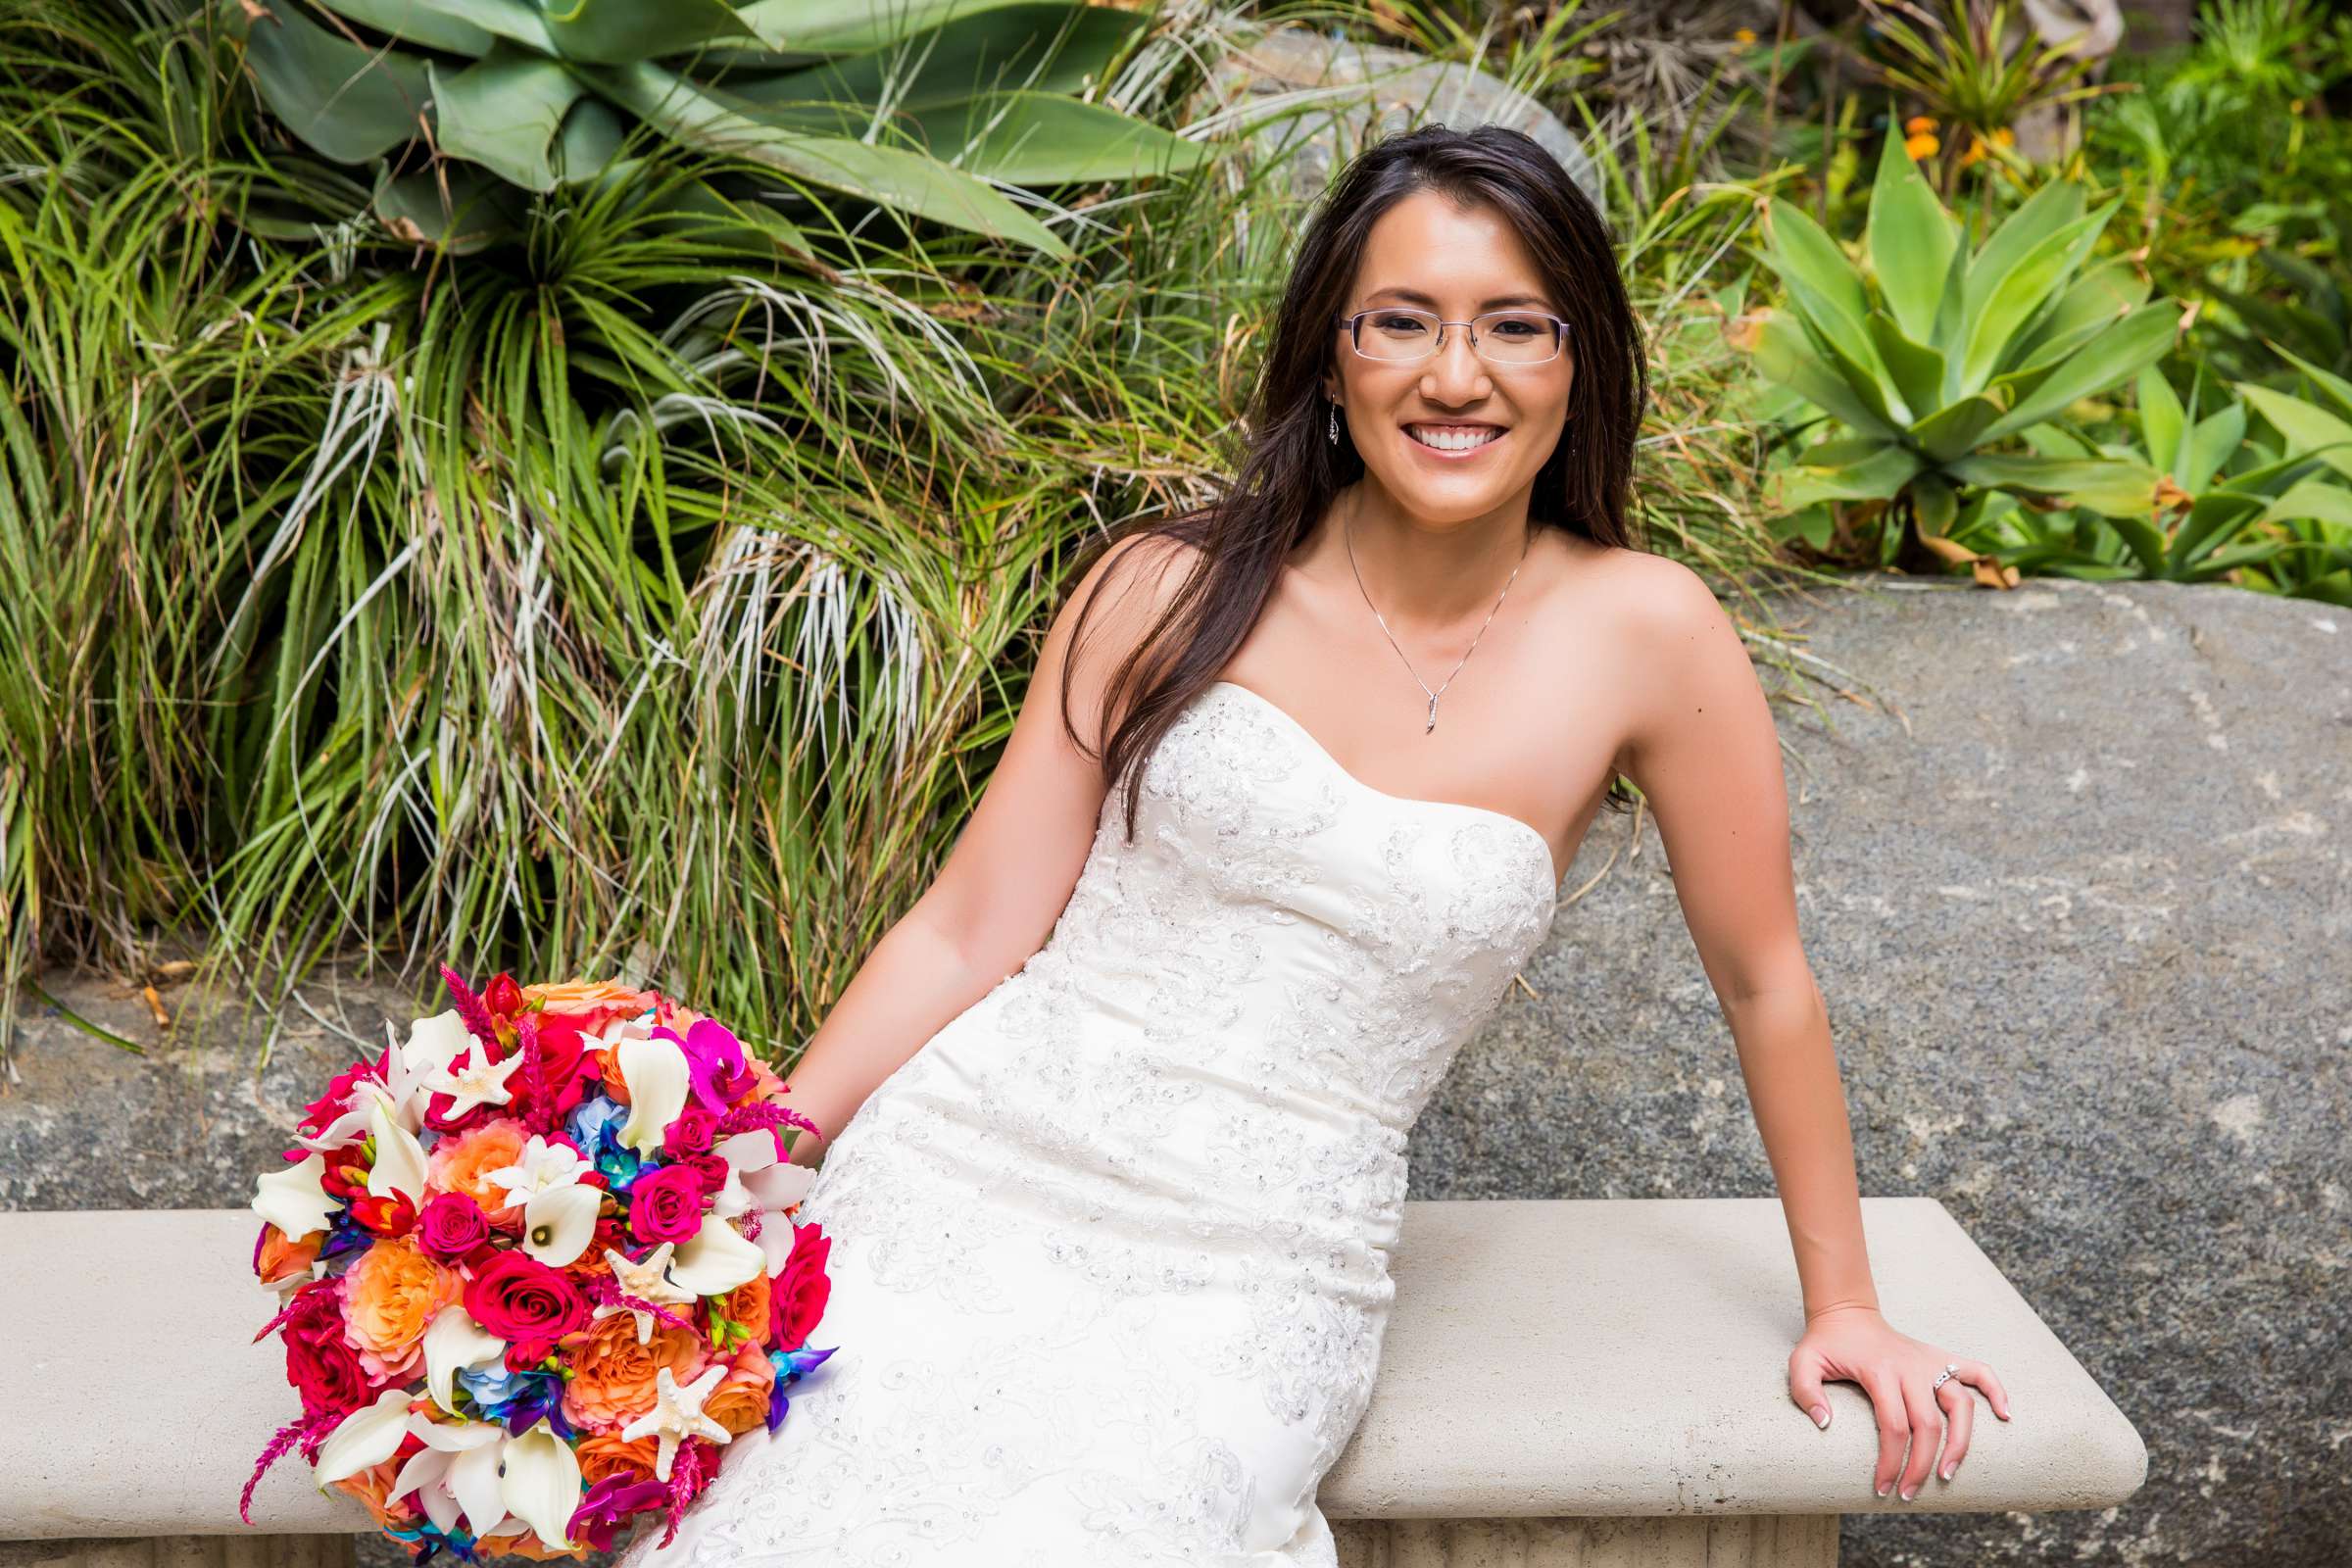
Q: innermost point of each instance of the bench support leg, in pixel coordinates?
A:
(248, 1550)
(1709, 1540)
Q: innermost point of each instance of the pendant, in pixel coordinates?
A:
(1433, 716)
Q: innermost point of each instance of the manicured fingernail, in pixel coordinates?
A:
(1882, 1490)
(1909, 1492)
(1947, 1472)
(1821, 1415)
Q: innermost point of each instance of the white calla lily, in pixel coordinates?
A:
(454, 1341)
(559, 1224)
(659, 1076)
(715, 1259)
(294, 1200)
(400, 1163)
(368, 1436)
(435, 1042)
(542, 1483)
(456, 1473)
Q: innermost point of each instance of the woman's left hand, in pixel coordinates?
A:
(1856, 1345)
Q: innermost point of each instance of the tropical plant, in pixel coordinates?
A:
(900, 106)
(1945, 352)
(1974, 67)
(2222, 505)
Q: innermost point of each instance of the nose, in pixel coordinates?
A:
(1454, 374)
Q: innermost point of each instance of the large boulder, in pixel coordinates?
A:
(2073, 875)
(1316, 100)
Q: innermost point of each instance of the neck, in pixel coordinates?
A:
(1420, 575)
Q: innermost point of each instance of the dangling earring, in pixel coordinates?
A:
(1335, 425)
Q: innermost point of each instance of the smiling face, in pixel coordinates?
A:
(1450, 437)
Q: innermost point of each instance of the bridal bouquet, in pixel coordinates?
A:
(537, 1267)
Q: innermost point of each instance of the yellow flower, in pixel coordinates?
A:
(1919, 126)
(2003, 136)
(1922, 146)
(1744, 37)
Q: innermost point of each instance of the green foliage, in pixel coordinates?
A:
(1945, 352)
(514, 97)
(2276, 515)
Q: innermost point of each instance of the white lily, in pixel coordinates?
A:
(559, 1224)
(400, 1163)
(543, 1167)
(456, 1473)
(776, 1243)
(429, 1048)
(677, 1414)
(542, 1483)
(657, 1076)
(294, 1200)
(715, 1259)
(368, 1436)
(454, 1341)
(648, 1281)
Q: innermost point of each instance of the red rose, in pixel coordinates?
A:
(568, 1073)
(324, 1369)
(690, 1132)
(517, 1298)
(452, 1225)
(666, 1204)
(711, 1168)
(801, 1288)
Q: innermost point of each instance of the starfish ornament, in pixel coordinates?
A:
(474, 1083)
(648, 1281)
(677, 1414)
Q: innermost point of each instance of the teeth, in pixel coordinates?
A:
(1451, 438)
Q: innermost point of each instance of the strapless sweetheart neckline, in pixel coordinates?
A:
(1528, 831)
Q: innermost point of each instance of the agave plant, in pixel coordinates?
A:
(2222, 503)
(526, 95)
(1946, 352)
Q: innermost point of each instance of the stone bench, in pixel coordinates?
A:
(1586, 1382)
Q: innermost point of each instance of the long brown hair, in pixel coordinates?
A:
(1286, 472)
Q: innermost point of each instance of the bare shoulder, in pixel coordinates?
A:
(1138, 574)
(1646, 626)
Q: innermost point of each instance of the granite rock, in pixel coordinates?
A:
(2074, 881)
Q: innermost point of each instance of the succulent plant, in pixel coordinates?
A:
(524, 95)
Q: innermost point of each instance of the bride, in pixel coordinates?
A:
(1117, 1110)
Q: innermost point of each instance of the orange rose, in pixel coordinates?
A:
(526, 1542)
(461, 1162)
(740, 1402)
(747, 1304)
(389, 1297)
(604, 1453)
(590, 996)
(372, 1486)
(282, 1260)
(612, 1375)
(608, 1063)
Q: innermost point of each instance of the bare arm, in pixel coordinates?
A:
(1707, 755)
(1010, 872)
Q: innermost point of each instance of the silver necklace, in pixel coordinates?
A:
(1346, 537)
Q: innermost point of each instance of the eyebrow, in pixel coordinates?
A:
(1416, 297)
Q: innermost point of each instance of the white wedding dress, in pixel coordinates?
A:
(1111, 1249)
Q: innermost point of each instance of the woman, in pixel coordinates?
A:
(1120, 1108)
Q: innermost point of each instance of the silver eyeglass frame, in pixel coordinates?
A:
(1559, 335)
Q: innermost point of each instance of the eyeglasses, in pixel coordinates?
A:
(1499, 337)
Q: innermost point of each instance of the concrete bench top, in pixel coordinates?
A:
(1543, 1357)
